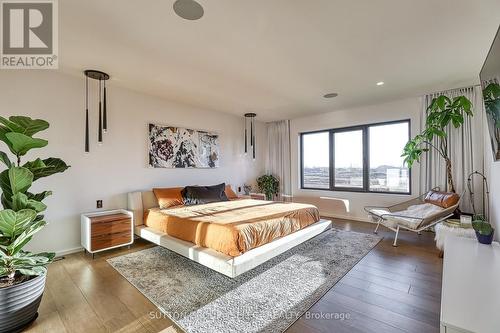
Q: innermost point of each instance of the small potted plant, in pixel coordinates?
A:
(22, 273)
(484, 230)
(269, 185)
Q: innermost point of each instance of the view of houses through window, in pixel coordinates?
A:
(363, 158)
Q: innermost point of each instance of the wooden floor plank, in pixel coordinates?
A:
(401, 308)
(75, 312)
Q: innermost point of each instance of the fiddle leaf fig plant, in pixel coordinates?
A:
(269, 185)
(21, 216)
(442, 112)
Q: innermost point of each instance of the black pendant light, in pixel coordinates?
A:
(99, 134)
(246, 148)
(87, 148)
(252, 132)
(103, 112)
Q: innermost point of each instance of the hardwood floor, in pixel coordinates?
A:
(389, 290)
(392, 289)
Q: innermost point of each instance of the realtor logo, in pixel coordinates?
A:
(29, 34)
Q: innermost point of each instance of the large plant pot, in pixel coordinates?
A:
(19, 304)
(483, 239)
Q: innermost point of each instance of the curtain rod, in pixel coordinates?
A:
(448, 90)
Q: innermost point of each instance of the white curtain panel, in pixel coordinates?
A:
(465, 148)
(278, 162)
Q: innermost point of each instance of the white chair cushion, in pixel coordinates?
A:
(419, 212)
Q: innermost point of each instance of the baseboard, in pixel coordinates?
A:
(346, 217)
(68, 251)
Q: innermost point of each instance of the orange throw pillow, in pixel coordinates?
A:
(230, 193)
(442, 199)
(168, 197)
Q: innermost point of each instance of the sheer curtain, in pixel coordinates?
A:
(278, 160)
(465, 148)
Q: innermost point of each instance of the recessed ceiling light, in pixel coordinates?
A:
(188, 9)
(381, 83)
(330, 95)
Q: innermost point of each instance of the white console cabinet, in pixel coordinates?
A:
(470, 300)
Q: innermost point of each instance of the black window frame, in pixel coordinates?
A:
(366, 158)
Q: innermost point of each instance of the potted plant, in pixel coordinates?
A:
(441, 112)
(269, 185)
(22, 274)
(484, 230)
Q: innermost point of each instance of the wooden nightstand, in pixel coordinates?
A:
(107, 230)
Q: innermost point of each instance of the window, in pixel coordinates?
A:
(316, 160)
(348, 159)
(387, 170)
(363, 158)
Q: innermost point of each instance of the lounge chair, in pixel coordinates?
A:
(414, 215)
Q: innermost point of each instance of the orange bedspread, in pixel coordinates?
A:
(232, 227)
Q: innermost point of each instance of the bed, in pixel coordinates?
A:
(229, 237)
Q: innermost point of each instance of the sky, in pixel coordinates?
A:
(386, 146)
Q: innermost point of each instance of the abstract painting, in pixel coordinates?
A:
(176, 147)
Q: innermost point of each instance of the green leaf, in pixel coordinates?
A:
(6, 189)
(7, 204)
(440, 133)
(21, 201)
(3, 132)
(37, 206)
(20, 143)
(20, 179)
(12, 127)
(34, 271)
(14, 223)
(5, 159)
(47, 256)
(441, 102)
(44, 168)
(3, 271)
(29, 126)
(39, 196)
(25, 237)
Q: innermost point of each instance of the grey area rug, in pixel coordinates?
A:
(268, 298)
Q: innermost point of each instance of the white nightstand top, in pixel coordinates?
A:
(470, 297)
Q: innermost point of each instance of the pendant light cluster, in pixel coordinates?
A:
(103, 114)
(252, 132)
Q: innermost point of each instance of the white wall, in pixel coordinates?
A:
(397, 110)
(120, 165)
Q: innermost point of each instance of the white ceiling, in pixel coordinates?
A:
(278, 57)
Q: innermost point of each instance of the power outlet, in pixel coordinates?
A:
(99, 204)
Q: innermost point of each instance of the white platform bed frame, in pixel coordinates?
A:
(138, 202)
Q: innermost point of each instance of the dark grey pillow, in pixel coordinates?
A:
(197, 195)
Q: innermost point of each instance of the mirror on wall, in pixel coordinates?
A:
(490, 84)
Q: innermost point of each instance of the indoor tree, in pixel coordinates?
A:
(22, 214)
(442, 112)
